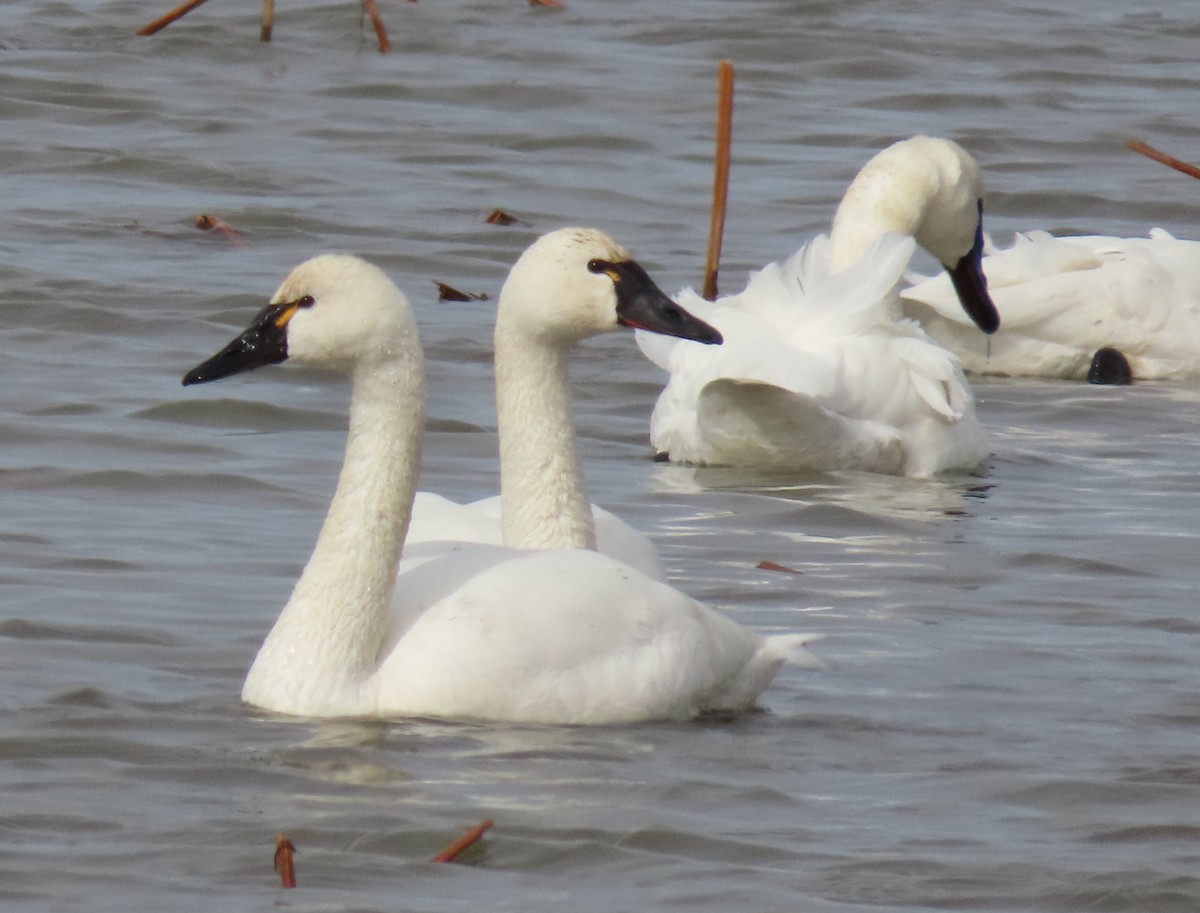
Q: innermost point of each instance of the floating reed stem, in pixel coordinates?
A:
(1169, 160)
(716, 225)
(268, 19)
(380, 31)
(467, 840)
(163, 21)
(285, 863)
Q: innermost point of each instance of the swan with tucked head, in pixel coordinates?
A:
(819, 372)
(550, 633)
(1067, 298)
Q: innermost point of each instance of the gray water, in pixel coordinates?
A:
(1009, 716)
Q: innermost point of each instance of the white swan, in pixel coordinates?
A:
(472, 630)
(818, 371)
(1065, 298)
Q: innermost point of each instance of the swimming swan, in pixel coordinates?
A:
(540, 634)
(1065, 298)
(819, 371)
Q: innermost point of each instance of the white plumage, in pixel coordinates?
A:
(461, 628)
(819, 371)
(1065, 298)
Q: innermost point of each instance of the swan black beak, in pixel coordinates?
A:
(971, 285)
(642, 305)
(264, 342)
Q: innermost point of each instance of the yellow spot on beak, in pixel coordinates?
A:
(286, 313)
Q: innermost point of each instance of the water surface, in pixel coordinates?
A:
(1008, 718)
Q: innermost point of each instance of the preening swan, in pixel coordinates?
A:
(548, 632)
(1065, 298)
(819, 371)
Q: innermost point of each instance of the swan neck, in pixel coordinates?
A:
(543, 498)
(329, 633)
(869, 210)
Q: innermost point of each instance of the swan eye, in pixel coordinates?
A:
(306, 302)
(605, 267)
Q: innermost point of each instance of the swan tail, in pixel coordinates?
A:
(793, 649)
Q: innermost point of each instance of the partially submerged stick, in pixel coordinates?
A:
(285, 864)
(1169, 160)
(206, 222)
(268, 19)
(716, 225)
(163, 21)
(467, 840)
(380, 31)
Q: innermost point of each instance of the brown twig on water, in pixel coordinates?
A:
(500, 217)
(716, 225)
(766, 565)
(206, 222)
(450, 293)
(268, 20)
(285, 861)
(552, 4)
(163, 21)
(380, 31)
(467, 840)
(1169, 160)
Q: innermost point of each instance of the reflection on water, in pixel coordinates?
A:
(886, 497)
(1008, 715)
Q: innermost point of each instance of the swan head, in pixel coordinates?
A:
(577, 282)
(333, 311)
(930, 189)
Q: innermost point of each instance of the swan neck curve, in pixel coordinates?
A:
(322, 651)
(873, 206)
(543, 497)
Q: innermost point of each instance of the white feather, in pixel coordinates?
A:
(462, 626)
(1061, 299)
(818, 371)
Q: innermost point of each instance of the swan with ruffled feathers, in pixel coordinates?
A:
(819, 370)
(542, 630)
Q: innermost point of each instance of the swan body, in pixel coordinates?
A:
(459, 628)
(819, 370)
(436, 518)
(1065, 298)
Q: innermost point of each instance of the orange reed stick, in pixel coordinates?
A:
(467, 840)
(1169, 160)
(380, 31)
(268, 20)
(285, 863)
(162, 22)
(716, 225)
